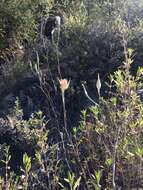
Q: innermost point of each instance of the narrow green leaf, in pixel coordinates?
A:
(77, 183)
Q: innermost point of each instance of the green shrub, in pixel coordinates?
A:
(111, 135)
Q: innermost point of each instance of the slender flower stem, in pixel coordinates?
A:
(64, 110)
(65, 115)
(85, 91)
(65, 127)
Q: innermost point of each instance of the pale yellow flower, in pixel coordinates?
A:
(64, 84)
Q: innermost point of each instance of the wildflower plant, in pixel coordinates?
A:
(64, 85)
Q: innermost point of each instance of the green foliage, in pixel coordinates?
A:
(27, 167)
(118, 122)
(19, 18)
(95, 180)
(73, 183)
(27, 163)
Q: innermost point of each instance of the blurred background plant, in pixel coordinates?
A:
(100, 45)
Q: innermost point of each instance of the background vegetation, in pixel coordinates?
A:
(71, 113)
